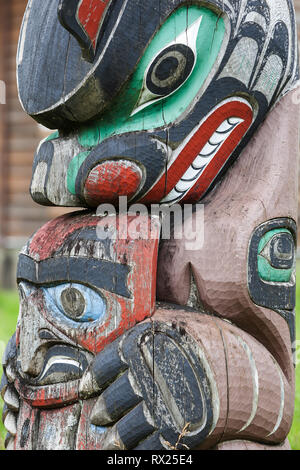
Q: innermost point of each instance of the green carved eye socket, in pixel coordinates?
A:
(276, 256)
(167, 80)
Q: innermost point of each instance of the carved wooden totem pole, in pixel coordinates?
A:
(125, 341)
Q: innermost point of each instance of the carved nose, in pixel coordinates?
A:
(110, 180)
(32, 347)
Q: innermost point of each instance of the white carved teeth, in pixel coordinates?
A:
(227, 125)
(185, 183)
(206, 155)
(209, 148)
(10, 423)
(233, 121)
(216, 139)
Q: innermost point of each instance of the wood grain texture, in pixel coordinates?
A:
(248, 445)
(104, 365)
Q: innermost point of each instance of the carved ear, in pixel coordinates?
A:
(84, 19)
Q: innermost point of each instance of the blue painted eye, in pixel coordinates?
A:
(76, 301)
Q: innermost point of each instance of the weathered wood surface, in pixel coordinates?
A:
(220, 407)
(261, 186)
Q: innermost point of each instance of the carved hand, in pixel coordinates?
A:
(156, 393)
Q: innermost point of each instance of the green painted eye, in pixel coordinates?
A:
(276, 256)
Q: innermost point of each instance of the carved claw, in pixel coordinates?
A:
(145, 378)
(121, 396)
(88, 386)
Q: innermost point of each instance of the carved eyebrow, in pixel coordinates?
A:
(85, 22)
(107, 275)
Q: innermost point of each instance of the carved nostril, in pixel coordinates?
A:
(112, 179)
(48, 335)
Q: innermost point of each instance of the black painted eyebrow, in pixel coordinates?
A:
(103, 274)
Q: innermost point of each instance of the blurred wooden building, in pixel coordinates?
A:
(19, 136)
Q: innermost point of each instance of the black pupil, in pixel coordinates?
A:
(282, 251)
(73, 302)
(167, 68)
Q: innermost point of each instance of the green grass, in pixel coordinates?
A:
(9, 306)
(294, 436)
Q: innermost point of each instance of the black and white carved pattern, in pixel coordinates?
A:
(203, 159)
(260, 53)
(264, 40)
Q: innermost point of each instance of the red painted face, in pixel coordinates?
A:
(79, 292)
